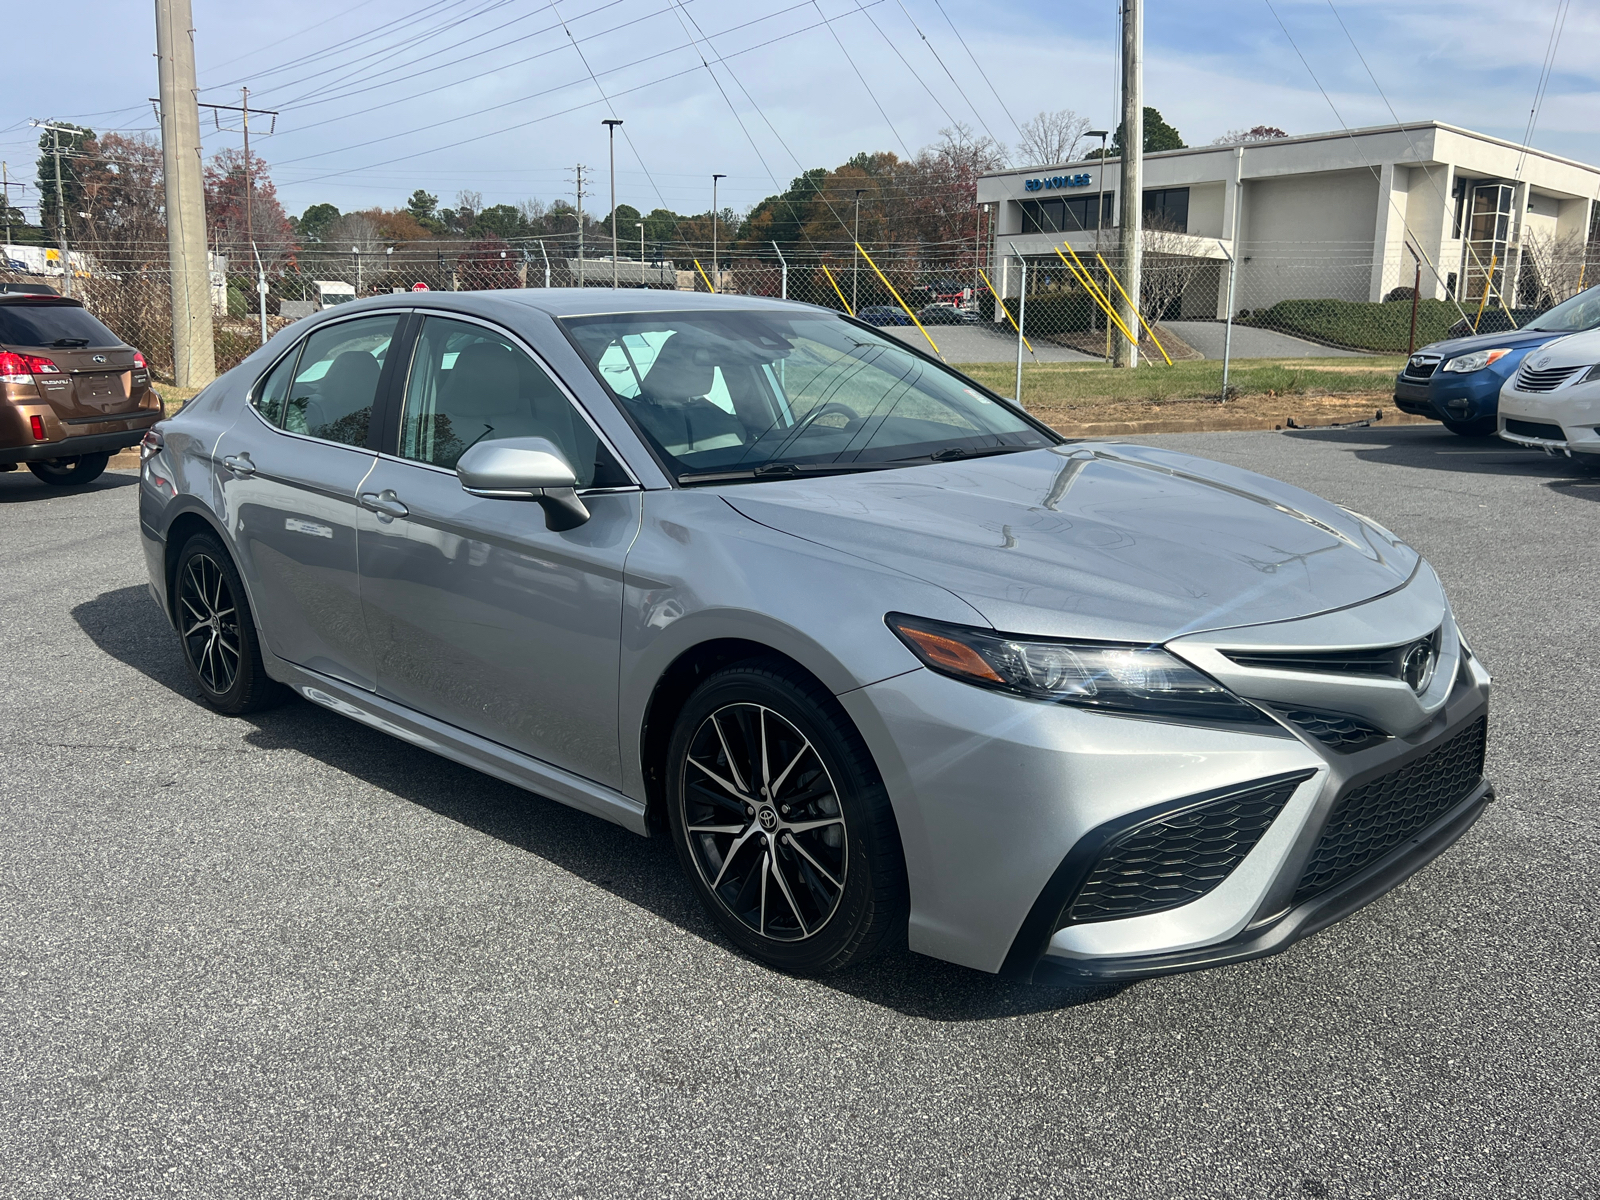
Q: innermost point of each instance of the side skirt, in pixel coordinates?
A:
(468, 749)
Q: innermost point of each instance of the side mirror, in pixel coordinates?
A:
(525, 469)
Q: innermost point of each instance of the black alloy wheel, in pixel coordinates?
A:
(220, 647)
(71, 471)
(782, 823)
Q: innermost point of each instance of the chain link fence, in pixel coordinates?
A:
(970, 305)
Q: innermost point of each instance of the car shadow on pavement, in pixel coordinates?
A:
(20, 487)
(1435, 448)
(127, 625)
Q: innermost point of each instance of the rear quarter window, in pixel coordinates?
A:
(53, 325)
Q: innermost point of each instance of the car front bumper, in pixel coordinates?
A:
(1450, 395)
(997, 799)
(1566, 421)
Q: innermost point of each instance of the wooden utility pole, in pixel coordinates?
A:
(193, 350)
(1132, 189)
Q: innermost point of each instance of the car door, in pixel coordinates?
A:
(288, 472)
(481, 616)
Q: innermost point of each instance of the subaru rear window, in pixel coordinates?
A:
(64, 325)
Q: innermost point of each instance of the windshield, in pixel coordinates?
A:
(731, 394)
(1571, 316)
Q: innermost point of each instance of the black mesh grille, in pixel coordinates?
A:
(1178, 857)
(1535, 429)
(1421, 368)
(1335, 729)
(1371, 820)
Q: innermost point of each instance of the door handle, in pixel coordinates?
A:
(385, 503)
(239, 464)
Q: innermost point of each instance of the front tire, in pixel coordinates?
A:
(782, 823)
(1477, 428)
(70, 472)
(220, 646)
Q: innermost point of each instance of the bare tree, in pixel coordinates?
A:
(1552, 267)
(1256, 133)
(1169, 267)
(1052, 137)
(532, 212)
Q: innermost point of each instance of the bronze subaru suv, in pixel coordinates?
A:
(72, 393)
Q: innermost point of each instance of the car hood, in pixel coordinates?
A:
(1124, 543)
(1516, 339)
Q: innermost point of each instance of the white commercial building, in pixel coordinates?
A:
(1324, 216)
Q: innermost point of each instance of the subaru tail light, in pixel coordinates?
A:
(138, 361)
(21, 368)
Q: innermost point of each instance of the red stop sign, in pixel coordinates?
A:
(419, 286)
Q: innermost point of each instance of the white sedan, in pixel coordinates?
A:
(1553, 401)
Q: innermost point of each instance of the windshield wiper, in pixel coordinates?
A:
(783, 470)
(955, 453)
(70, 342)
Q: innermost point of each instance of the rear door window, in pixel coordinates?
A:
(269, 394)
(64, 325)
(336, 379)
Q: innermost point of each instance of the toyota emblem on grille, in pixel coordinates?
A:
(1417, 667)
(99, 358)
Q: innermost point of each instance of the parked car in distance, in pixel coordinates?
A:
(1459, 381)
(72, 393)
(882, 656)
(882, 314)
(1553, 401)
(946, 314)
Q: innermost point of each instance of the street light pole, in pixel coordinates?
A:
(716, 276)
(356, 253)
(855, 262)
(611, 124)
(1099, 206)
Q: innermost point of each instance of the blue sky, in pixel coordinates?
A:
(510, 121)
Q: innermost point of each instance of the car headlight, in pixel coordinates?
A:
(1104, 675)
(1592, 375)
(1476, 361)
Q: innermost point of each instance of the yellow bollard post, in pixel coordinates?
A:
(902, 303)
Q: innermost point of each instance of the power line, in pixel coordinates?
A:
(932, 49)
(533, 120)
(1563, 7)
(1376, 175)
(940, 5)
(840, 42)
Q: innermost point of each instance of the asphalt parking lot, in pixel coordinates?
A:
(289, 956)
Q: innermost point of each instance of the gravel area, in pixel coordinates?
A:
(287, 956)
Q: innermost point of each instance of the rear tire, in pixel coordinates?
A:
(218, 636)
(782, 823)
(70, 472)
(1478, 428)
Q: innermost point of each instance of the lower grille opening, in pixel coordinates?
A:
(1369, 821)
(1536, 429)
(1178, 857)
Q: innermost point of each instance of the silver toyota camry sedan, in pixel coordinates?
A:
(886, 659)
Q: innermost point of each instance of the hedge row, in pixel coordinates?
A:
(1384, 327)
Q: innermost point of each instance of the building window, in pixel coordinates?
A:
(1064, 216)
(1167, 208)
